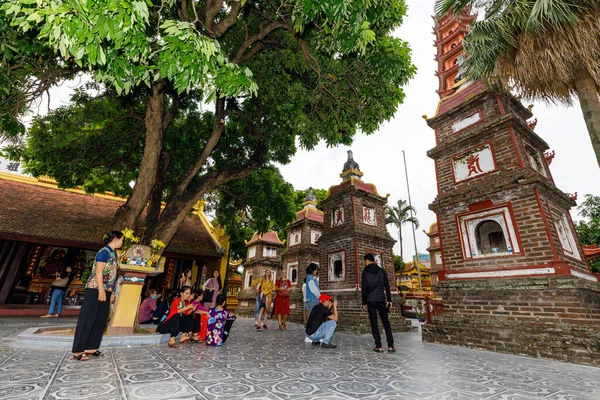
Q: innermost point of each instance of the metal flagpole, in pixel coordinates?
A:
(413, 225)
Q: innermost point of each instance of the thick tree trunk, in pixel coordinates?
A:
(127, 214)
(587, 91)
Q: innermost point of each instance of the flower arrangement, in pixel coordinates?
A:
(157, 245)
(140, 252)
(128, 241)
(129, 238)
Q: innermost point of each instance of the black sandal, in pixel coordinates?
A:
(81, 357)
(391, 350)
(96, 354)
(378, 350)
(195, 339)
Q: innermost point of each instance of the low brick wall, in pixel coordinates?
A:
(296, 306)
(548, 317)
(246, 304)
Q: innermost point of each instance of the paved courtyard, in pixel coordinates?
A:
(279, 365)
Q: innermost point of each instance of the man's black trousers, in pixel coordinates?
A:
(378, 307)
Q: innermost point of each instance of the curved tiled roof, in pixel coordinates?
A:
(311, 214)
(357, 183)
(591, 252)
(39, 212)
(268, 237)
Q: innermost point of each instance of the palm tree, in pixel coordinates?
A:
(399, 215)
(547, 49)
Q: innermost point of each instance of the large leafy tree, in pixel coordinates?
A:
(589, 228)
(275, 74)
(398, 215)
(547, 49)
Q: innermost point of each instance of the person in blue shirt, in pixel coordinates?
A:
(312, 286)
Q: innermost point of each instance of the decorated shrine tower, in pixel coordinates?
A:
(512, 264)
(353, 225)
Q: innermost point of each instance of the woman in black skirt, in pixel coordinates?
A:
(173, 323)
(99, 288)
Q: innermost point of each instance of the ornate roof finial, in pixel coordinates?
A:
(531, 124)
(549, 156)
(351, 168)
(310, 201)
(310, 196)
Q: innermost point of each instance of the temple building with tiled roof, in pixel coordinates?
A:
(44, 229)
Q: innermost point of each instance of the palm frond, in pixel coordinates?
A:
(555, 13)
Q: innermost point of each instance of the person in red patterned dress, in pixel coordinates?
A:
(282, 301)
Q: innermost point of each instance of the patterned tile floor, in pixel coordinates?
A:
(279, 365)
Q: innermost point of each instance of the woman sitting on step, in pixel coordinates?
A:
(172, 323)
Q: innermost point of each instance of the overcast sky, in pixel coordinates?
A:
(380, 155)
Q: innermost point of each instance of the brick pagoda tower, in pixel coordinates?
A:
(354, 224)
(264, 253)
(302, 249)
(514, 278)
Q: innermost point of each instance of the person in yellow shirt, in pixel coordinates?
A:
(267, 288)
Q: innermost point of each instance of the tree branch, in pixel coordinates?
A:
(214, 178)
(194, 169)
(175, 211)
(155, 203)
(250, 41)
(229, 20)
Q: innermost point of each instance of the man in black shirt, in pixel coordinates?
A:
(322, 322)
(374, 282)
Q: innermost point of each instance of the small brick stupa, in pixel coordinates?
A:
(302, 249)
(354, 224)
(264, 253)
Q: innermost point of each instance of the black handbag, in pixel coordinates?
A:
(207, 296)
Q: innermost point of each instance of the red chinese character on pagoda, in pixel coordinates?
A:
(338, 216)
(367, 216)
(473, 164)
